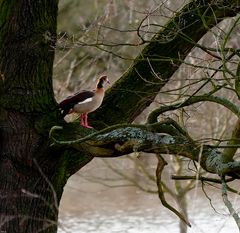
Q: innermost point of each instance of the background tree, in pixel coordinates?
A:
(38, 167)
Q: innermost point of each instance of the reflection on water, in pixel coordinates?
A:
(119, 222)
(127, 210)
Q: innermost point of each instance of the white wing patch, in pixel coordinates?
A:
(85, 101)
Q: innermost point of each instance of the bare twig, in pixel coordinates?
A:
(160, 167)
(201, 178)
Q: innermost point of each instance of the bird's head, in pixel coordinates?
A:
(102, 81)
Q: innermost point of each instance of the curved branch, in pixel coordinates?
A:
(159, 170)
(193, 100)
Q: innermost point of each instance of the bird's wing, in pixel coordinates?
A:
(79, 97)
(76, 98)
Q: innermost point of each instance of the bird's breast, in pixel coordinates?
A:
(89, 105)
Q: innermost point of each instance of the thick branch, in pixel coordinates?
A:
(120, 140)
(230, 151)
(138, 87)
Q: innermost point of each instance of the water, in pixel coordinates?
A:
(127, 210)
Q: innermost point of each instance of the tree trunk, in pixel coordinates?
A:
(28, 201)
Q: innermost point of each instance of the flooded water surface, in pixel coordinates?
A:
(127, 210)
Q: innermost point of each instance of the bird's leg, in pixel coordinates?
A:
(82, 119)
(86, 121)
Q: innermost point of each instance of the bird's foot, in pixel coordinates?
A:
(86, 126)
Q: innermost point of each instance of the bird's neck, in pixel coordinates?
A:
(100, 84)
(99, 90)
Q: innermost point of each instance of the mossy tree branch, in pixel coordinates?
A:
(121, 140)
(233, 143)
(124, 139)
(137, 88)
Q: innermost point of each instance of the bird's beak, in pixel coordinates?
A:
(107, 81)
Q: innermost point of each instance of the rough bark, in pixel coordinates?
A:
(28, 202)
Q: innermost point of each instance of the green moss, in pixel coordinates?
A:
(61, 175)
(5, 14)
(44, 122)
(28, 77)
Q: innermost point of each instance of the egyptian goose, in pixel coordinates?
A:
(84, 102)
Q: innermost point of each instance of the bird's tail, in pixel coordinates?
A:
(65, 108)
